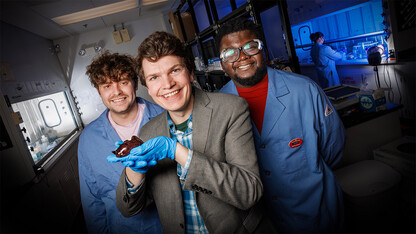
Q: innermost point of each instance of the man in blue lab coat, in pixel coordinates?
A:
(298, 135)
(116, 81)
(324, 57)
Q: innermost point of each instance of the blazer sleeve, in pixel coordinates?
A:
(130, 204)
(228, 169)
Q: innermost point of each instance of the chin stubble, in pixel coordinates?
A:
(253, 80)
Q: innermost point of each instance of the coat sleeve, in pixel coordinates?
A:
(92, 205)
(332, 54)
(331, 131)
(229, 172)
(130, 204)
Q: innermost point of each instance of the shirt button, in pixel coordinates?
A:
(263, 146)
(201, 229)
(267, 173)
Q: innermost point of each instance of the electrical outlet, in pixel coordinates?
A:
(125, 35)
(117, 37)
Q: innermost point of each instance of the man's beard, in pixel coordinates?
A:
(253, 80)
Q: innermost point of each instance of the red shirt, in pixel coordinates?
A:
(256, 98)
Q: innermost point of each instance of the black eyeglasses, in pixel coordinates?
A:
(231, 55)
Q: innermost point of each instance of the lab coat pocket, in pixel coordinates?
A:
(291, 154)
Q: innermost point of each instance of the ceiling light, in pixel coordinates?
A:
(151, 2)
(96, 12)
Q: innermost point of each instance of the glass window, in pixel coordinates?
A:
(201, 15)
(274, 34)
(240, 2)
(48, 120)
(223, 8)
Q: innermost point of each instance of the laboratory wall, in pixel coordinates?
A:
(303, 10)
(74, 65)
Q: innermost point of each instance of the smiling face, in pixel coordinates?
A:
(119, 97)
(247, 70)
(169, 84)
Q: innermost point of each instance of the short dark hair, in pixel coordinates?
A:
(160, 44)
(237, 24)
(316, 36)
(111, 66)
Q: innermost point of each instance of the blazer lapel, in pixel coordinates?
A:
(274, 107)
(201, 120)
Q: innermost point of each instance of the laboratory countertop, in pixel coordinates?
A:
(353, 115)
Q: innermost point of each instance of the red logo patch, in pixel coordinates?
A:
(295, 143)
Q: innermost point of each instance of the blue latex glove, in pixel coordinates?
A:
(137, 166)
(155, 149)
(141, 157)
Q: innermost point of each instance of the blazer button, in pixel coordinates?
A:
(263, 146)
(125, 199)
(267, 173)
(182, 226)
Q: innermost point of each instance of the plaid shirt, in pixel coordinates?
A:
(194, 222)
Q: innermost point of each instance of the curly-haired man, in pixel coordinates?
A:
(114, 77)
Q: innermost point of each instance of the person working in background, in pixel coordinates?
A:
(115, 79)
(298, 135)
(206, 176)
(324, 57)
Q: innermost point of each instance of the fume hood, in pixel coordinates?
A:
(46, 123)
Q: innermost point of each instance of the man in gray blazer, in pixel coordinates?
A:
(198, 163)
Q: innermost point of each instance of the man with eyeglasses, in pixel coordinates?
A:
(298, 135)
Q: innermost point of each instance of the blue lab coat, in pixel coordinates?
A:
(324, 58)
(302, 138)
(99, 179)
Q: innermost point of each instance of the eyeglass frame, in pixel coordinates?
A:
(260, 47)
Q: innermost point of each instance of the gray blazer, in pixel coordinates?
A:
(223, 171)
